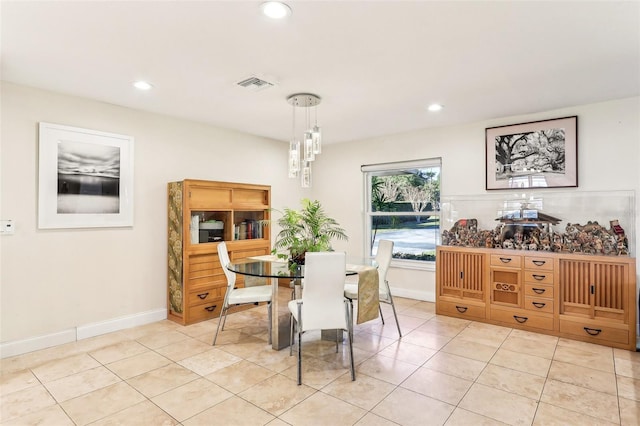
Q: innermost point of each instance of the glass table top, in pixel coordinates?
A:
(270, 268)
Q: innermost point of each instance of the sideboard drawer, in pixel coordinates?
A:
(462, 310)
(538, 290)
(539, 263)
(541, 277)
(595, 332)
(510, 261)
(538, 304)
(521, 318)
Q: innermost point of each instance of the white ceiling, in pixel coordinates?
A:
(376, 65)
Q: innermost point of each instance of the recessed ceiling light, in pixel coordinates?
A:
(275, 9)
(435, 107)
(142, 85)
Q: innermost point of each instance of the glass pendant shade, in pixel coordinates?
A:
(316, 137)
(294, 158)
(303, 152)
(309, 155)
(305, 174)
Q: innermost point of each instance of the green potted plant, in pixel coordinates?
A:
(307, 229)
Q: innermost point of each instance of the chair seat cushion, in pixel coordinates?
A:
(293, 308)
(351, 292)
(261, 293)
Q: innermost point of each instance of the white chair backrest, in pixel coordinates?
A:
(223, 255)
(323, 305)
(383, 258)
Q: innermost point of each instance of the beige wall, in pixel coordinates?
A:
(53, 281)
(608, 158)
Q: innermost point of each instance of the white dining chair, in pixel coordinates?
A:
(383, 259)
(323, 305)
(239, 296)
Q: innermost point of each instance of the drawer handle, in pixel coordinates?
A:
(461, 309)
(520, 319)
(538, 262)
(539, 277)
(203, 295)
(211, 308)
(505, 259)
(538, 304)
(538, 290)
(592, 331)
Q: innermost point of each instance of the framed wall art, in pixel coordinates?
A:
(85, 178)
(538, 154)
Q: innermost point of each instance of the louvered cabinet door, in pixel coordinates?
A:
(461, 274)
(594, 289)
(472, 276)
(576, 288)
(611, 286)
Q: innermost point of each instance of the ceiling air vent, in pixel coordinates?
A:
(254, 84)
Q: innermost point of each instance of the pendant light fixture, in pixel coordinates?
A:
(301, 155)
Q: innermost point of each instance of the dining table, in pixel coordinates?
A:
(270, 269)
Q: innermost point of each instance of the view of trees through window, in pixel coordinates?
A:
(405, 208)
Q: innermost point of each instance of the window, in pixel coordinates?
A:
(402, 204)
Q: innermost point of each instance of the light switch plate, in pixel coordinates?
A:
(6, 227)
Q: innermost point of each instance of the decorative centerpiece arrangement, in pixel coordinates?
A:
(307, 229)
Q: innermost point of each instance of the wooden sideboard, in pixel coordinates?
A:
(583, 297)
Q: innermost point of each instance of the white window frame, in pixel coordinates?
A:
(370, 170)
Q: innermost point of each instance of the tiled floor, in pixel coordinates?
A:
(443, 371)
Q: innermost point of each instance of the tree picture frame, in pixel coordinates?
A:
(537, 154)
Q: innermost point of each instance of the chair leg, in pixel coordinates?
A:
(299, 356)
(349, 313)
(299, 329)
(225, 318)
(269, 323)
(223, 312)
(393, 306)
(350, 320)
(338, 332)
(381, 316)
(290, 335)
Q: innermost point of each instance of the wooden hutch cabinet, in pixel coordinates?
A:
(583, 297)
(201, 214)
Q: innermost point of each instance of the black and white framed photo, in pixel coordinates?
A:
(85, 178)
(538, 154)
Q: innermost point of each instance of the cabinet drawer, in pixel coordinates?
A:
(203, 197)
(205, 311)
(462, 310)
(522, 318)
(538, 304)
(541, 277)
(205, 295)
(595, 332)
(510, 261)
(539, 263)
(538, 290)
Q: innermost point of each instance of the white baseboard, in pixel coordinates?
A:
(121, 323)
(31, 344)
(427, 296)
